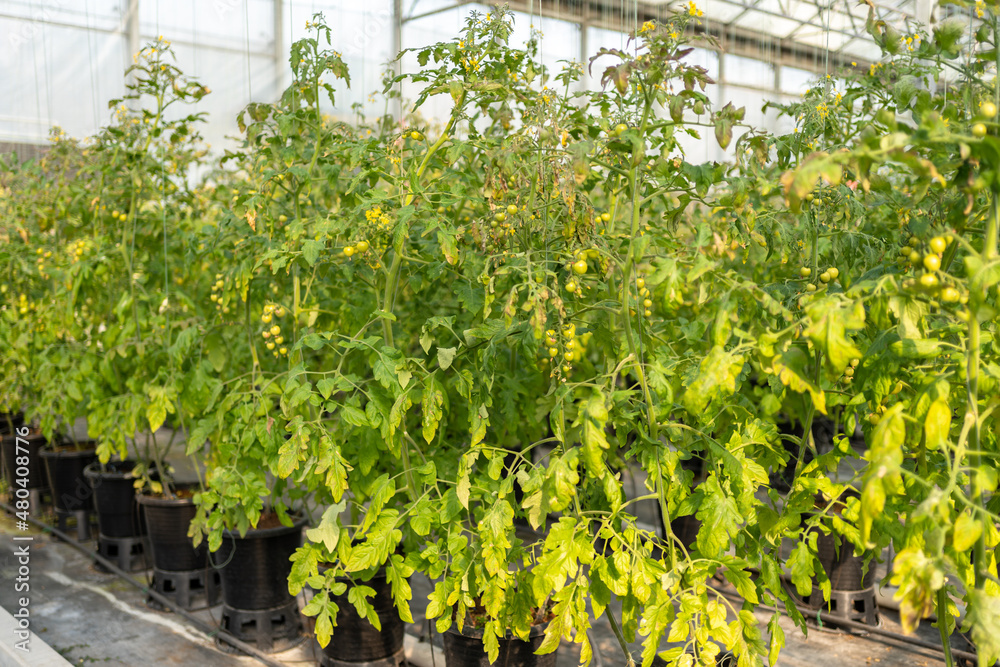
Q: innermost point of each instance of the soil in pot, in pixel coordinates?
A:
(355, 639)
(22, 460)
(64, 468)
(118, 514)
(167, 522)
(255, 567)
(465, 649)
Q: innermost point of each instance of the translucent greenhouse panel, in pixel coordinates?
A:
(794, 80)
(747, 72)
(55, 75)
(223, 24)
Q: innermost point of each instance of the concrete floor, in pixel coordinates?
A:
(92, 617)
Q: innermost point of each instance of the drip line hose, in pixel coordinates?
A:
(854, 625)
(166, 602)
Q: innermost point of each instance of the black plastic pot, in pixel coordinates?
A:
(844, 569)
(466, 649)
(10, 421)
(255, 574)
(15, 448)
(64, 469)
(357, 640)
(167, 522)
(114, 499)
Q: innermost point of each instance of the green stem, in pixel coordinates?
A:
(942, 619)
(615, 628)
(626, 272)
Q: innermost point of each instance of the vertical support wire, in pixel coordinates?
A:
(38, 79)
(246, 43)
(48, 72)
(94, 91)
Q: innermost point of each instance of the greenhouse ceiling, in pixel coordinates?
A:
(803, 33)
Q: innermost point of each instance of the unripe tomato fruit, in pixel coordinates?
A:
(929, 280)
(825, 277)
(810, 287)
(834, 272)
(932, 262)
(349, 251)
(580, 267)
(511, 209)
(988, 109)
(571, 286)
(979, 130)
(360, 246)
(805, 272)
(938, 244)
(950, 295)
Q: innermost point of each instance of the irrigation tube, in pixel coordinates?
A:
(837, 620)
(166, 602)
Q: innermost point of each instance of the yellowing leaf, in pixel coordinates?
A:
(937, 424)
(966, 531)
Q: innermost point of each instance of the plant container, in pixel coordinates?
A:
(355, 640)
(64, 468)
(10, 421)
(72, 495)
(15, 449)
(180, 571)
(114, 499)
(466, 649)
(119, 522)
(257, 606)
(852, 589)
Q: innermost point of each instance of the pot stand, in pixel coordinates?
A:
(82, 518)
(194, 589)
(125, 552)
(857, 606)
(272, 630)
(397, 659)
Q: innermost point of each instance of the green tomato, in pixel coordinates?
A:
(580, 267)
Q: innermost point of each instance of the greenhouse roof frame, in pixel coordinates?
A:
(810, 35)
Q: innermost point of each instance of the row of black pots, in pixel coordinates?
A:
(257, 565)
